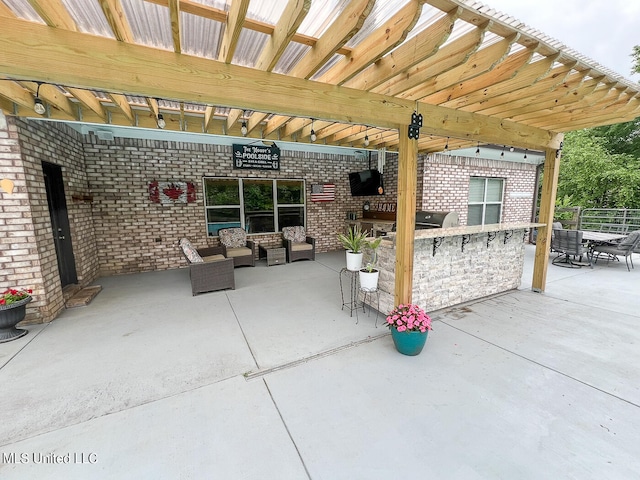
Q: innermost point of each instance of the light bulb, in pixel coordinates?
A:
(161, 122)
(313, 136)
(244, 129)
(511, 149)
(38, 106)
(366, 140)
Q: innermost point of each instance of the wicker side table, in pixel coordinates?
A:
(275, 256)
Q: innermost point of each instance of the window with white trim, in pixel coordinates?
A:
(257, 205)
(485, 200)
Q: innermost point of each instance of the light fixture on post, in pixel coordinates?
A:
(313, 136)
(161, 123)
(38, 106)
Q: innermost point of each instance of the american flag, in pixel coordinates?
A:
(323, 193)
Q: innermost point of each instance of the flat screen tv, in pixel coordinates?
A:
(367, 182)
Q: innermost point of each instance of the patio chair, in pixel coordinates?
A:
(568, 244)
(235, 245)
(554, 226)
(209, 270)
(299, 246)
(624, 248)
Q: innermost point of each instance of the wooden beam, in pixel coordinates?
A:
(411, 52)
(503, 71)
(341, 30)
(377, 44)
(527, 76)
(16, 93)
(174, 17)
(6, 11)
(406, 216)
(232, 30)
(478, 63)
(448, 57)
(54, 14)
(123, 105)
(117, 20)
(89, 100)
(96, 63)
(385, 38)
(547, 208)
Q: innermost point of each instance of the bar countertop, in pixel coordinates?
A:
(465, 230)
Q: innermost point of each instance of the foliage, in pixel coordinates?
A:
(409, 318)
(623, 138)
(594, 178)
(636, 59)
(373, 262)
(12, 295)
(354, 240)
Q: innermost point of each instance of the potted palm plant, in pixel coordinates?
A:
(369, 273)
(353, 241)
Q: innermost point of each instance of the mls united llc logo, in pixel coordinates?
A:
(49, 458)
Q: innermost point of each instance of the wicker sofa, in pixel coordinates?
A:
(209, 270)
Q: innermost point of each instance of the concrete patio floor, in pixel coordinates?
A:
(273, 381)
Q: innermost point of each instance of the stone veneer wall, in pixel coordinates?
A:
(30, 255)
(451, 276)
(135, 235)
(445, 185)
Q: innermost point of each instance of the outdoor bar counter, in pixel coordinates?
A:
(457, 264)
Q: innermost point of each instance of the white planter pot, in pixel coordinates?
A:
(354, 261)
(369, 281)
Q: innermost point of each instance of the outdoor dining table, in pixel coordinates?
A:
(597, 238)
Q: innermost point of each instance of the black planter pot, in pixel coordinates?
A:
(10, 316)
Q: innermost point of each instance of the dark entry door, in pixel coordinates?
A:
(60, 223)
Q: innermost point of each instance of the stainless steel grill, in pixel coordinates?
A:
(429, 219)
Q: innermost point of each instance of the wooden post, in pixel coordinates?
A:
(406, 216)
(547, 209)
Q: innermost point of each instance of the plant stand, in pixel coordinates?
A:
(349, 280)
(371, 293)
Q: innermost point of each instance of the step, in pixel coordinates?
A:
(83, 296)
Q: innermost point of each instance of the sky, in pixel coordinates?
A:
(603, 30)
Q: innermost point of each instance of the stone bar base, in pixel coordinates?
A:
(489, 262)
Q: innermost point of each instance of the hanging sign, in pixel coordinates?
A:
(260, 157)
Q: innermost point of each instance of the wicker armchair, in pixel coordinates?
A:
(236, 246)
(209, 270)
(299, 246)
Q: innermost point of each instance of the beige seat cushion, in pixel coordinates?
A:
(213, 258)
(238, 252)
(298, 247)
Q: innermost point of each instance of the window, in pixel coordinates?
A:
(257, 205)
(485, 200)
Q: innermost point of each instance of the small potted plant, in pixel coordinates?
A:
(353, 241)
(409, 325)
(13, 304)
(369, 273)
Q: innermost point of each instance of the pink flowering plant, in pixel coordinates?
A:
(409, 318)
(12, 295)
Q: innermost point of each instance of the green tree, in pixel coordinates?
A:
(621, 138)
(592, 177)
(636, 59)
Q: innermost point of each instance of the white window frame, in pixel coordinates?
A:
(484, 201)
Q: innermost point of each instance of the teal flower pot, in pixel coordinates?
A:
(409, 343)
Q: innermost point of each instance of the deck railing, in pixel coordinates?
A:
(594, 218)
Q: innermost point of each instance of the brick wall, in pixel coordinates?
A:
(445, 184)
(133, 234)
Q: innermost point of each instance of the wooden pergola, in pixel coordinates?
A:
(282, 70)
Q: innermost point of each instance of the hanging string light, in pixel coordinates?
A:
(525, 153)
(366, 138)
(244, 128)
(478, 149)
(38, 106)
(503, 149)
(313, 136)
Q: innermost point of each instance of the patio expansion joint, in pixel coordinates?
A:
(261, 373)
(541, 364)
